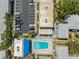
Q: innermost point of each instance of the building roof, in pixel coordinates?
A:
(73, 22)
(63, 31)
(46, 13)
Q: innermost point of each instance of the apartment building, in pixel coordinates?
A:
(24, 11)
(44, 17)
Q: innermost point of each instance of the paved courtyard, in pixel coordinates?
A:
(62, 52)
(43, 51)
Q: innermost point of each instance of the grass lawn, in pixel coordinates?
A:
(77, 36)
(46, 55)
(74, 48)
(73, 44)
(3, 47)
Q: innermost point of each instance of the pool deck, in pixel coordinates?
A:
(43, 51)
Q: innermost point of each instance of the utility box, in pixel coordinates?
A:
(22, 47)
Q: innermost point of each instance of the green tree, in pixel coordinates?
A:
(7, 36)
(64, 8)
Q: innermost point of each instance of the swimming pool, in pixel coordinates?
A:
(40, 45)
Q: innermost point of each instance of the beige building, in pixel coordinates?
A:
(44, 17)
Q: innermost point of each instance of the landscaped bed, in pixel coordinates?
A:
(77, 36)
(3, 47)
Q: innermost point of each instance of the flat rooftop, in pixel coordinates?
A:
(46, 13)
(73, 22)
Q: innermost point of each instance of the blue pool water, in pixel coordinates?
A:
(40, 45)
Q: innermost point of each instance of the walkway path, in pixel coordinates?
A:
(3, 10)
